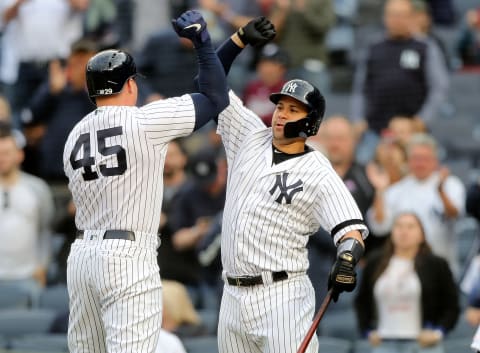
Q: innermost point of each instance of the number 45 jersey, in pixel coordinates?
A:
(114, 160)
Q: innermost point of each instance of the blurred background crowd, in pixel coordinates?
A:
(402, 85)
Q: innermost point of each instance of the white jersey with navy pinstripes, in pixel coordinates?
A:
(272, 209)
(114, 160)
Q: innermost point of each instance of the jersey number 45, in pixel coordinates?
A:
(87, 161)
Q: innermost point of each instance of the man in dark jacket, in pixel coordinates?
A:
(399, 75)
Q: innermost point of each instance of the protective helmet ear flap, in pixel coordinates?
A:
(309, 95)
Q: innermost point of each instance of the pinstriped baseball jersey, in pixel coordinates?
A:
(114, 159)
(272, 209)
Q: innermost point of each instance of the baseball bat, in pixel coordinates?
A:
(315, 323)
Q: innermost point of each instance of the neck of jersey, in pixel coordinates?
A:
(279, 156)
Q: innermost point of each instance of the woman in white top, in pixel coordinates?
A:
(407, 298)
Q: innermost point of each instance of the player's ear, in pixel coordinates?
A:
(131, 85)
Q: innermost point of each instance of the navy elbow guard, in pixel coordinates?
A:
(352, 247)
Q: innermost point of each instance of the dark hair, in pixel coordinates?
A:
(388, 248)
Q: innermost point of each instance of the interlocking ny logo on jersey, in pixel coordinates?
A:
(286, 191)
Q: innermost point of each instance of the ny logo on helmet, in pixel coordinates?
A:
(286, 191)
(291, 87)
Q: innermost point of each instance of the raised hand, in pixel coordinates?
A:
(191, 25)
(257, 32)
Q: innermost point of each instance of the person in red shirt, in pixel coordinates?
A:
(271, 71)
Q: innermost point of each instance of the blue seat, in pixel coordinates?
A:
(55, 297)
(206, 344)
(51, 343)
(462, 330)
(209, 319)
(362, 346)
(333, 345)
(12, 297)
(16, 322)
(3, 342)
(458, 345)
(340, 324)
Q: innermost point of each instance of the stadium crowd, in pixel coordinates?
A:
(401, 80)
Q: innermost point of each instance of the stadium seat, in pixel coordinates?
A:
(462, 330)
(12, 297)
(362, 346)
(339, 324)
(55, 297)
(458, 345)
(51, 343)
(201, 344)
(16, 322)
(3, 342)
(333, 345)
(209, 319)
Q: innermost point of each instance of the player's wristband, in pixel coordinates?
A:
(351, 246)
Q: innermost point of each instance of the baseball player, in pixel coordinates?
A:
(114, 159)
(279, 192)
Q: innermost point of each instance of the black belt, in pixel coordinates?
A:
(113, 234)
(255, 280)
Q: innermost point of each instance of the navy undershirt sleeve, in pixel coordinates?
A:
(212, 86)
(226, 53)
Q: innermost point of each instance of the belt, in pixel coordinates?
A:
(113, 234)
(248, 281)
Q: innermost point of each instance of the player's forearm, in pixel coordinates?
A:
(355, 234)
(212, 83)
(228, 51)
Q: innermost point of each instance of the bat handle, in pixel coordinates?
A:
(315, 323)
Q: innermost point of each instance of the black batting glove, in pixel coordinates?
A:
(343, 277)
(257, 32)
(191, 25)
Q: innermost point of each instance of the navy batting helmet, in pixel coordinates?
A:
(310, 96)
(108, 71)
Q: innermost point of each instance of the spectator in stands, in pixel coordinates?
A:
(179, 314)
(402, 128)
(58, 105)
(339, 141)
(191, 212)
(302, 27)
(473, 200)
(26, 211)
(407, 298)
(468, 46)
(229, 16)
(168, 63)
(35, 32)
(422, 28)
(390, 161)
(388, 167)
(271, 70)
(443, 12)
(398, 75)
(174, 178)
(5, 111)
(429, 190)
(472, 314)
